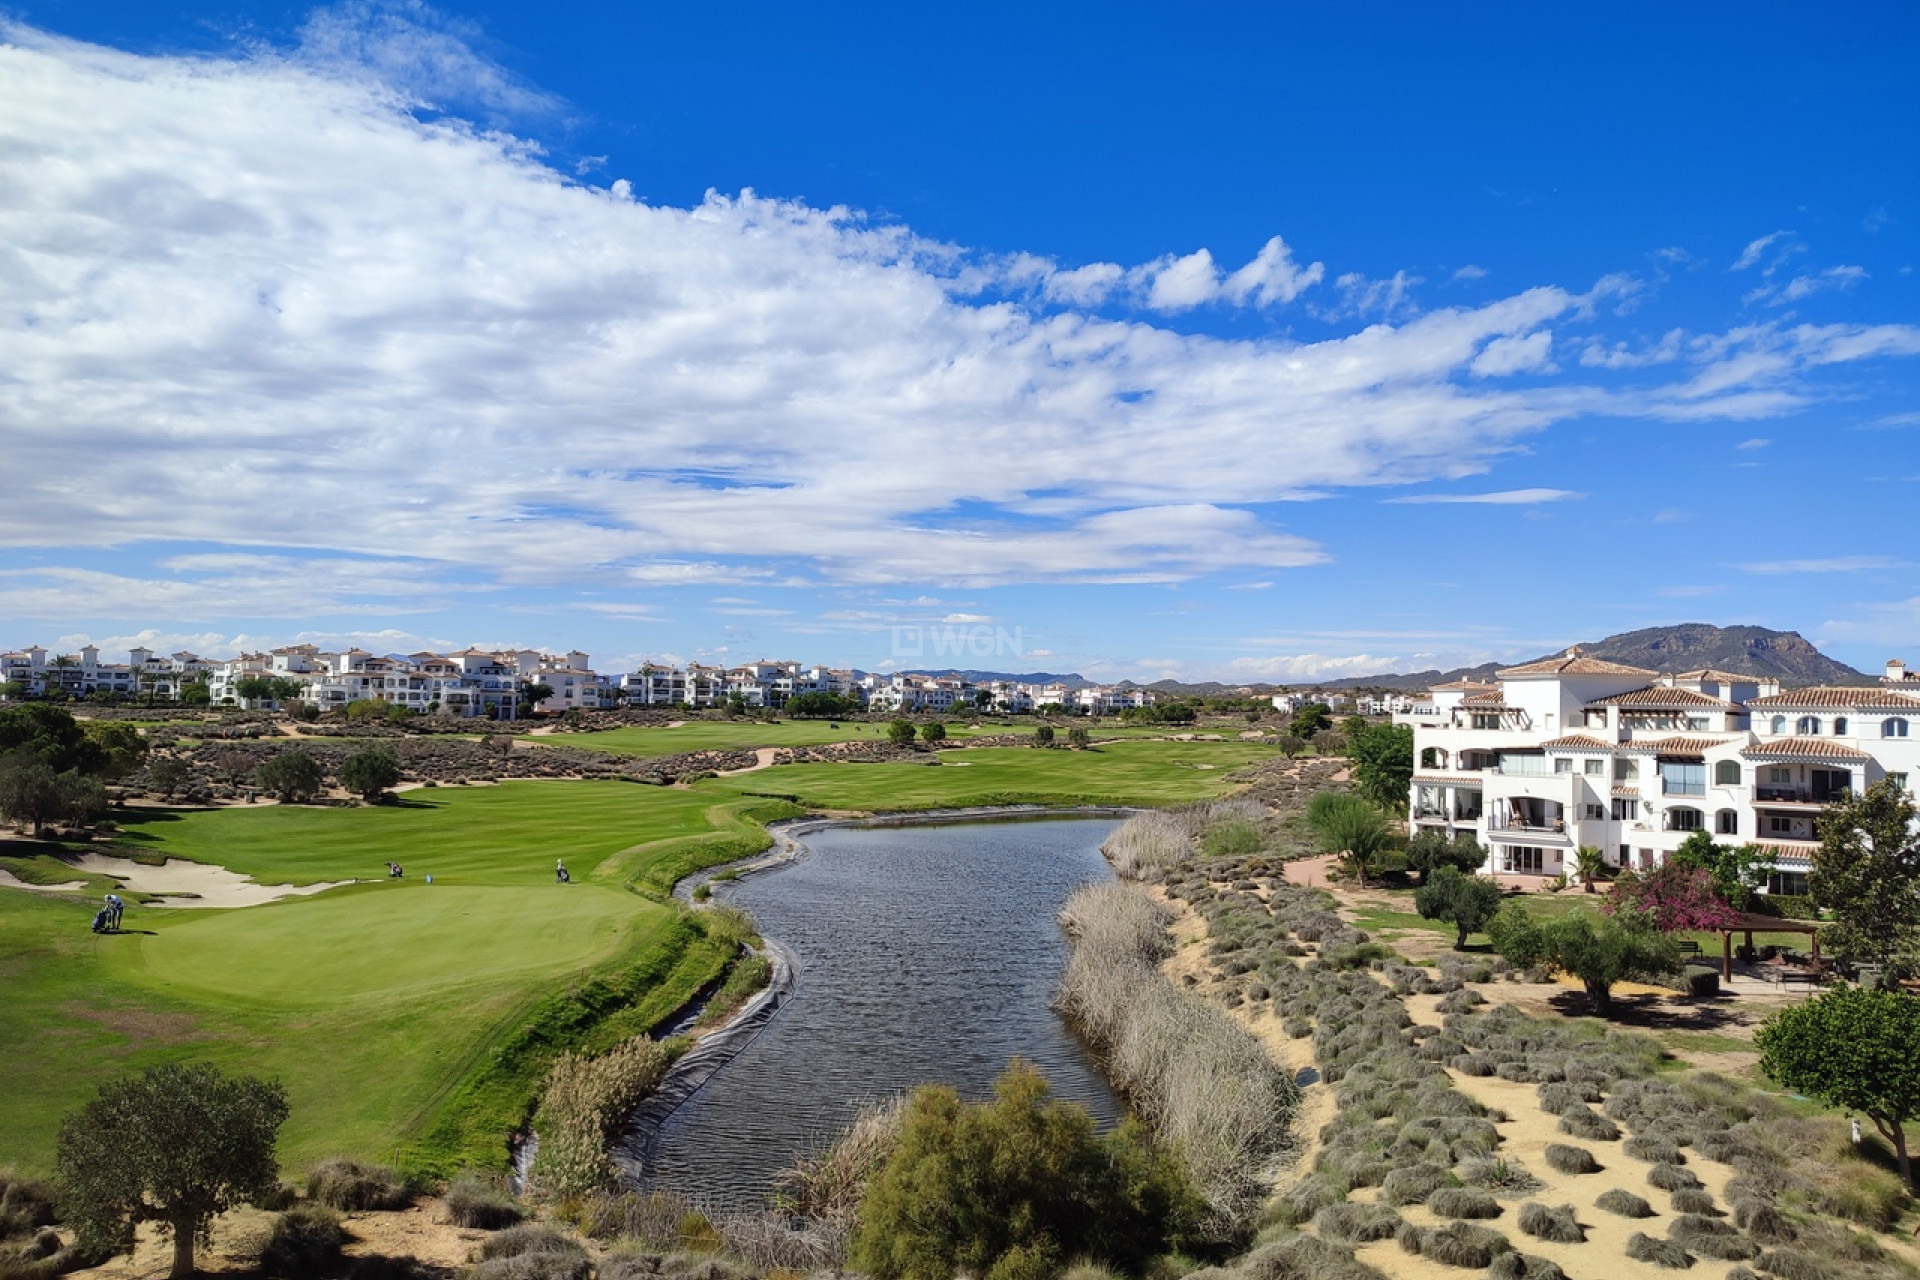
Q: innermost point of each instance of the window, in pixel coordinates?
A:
(1726, 823)
(1896, 782)
(1793, 882)
(1526, 860)
(1563, 766)
(1683, 819)
(1781, 775)
(1893, 728)
(1779, 724)
(1697, 723)
(1596, 768)
(1807, 725)
(1626, 853)
(1485, 720)
(1839, 726)
(1726, 773)
(1626, 810)
(1779, 826)
(1595, 811)
(1625, 769)
(1683, 778)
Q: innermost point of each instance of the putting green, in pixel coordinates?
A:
(408, 940)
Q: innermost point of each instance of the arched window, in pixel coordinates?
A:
(1683, 819)
(1839, 726)
(1779, 724)
(1893, 728)
(1807, 724)
(1433, 758)
(1726, 773)
(1726, 823)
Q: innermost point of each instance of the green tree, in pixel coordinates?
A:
(1347, 825)
(123, 748)
(1589, 864)
(1467, 902)
(1430, 850)
(294, 776)
(535, 692)
(820, 705)
(1079, 739)
(1017, 1187)
(1043, 736)
(167, 774)
(1867, 872)
(255, 688)
(1290, 744)
(1737, 871)
(29, 790)
(194, 692)
(901, 733)
(1854, 1049)
(14, 691)
(52, 734)
(935, 732)
(1382, 757)
(176, 1145)
(369, 772)
(285, 689)
(1311, 719)
(83, 800)
(1597, 950)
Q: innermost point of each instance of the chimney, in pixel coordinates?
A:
(1896, 669)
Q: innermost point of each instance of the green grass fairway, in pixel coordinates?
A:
(1132, 772)
(744, 735)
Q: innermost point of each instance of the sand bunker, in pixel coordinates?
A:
(11, 881)
(196, 884)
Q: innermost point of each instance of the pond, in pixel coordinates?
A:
(920, 953)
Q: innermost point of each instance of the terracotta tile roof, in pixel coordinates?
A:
(1724, 677)
(1465, 684)
(1578, 742)
(1680, 746)
(1574, 663)
(1484, 700)
(1630, 793)
(1803, 748)
(1786, 854)
(1445, 779)
(1838, 698)
(1661, 696)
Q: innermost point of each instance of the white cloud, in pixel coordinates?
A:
(1830, 564)
(1757, 442)
(967, 618)
(1470, 272)
(1522, 353)
(1755, 249)
(283, 308)
(1504, 498)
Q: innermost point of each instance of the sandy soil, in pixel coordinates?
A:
(763, 758)
(210, 886)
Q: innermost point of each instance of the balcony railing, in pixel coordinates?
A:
(1557, 826)
(1794, 795)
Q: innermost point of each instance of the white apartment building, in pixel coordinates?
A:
(1574, 751)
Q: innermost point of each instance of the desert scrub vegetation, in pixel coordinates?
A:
(586, 1100)
(1015, 1187)
(531, 1252)
(1196, 1076)
(351, 1186)
(1625, 1203)
(473, 1201)
(305, 1242)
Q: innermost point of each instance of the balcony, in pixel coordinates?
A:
(1543, 826)
(1796, 795)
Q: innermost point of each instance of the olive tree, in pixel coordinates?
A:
(1855, 1049)
(294, 776)
(901, 733)
(369, 773)
(1597, 950)
(1429, 850)
(176, 1145)
(1867, 872)
(1467, 902)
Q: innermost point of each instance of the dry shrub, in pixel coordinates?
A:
(1693, 1200)
(1711, 1238)
(1718, 1144)
(1299, 1257)
(1589, 1126)
(1458, 1244)
(1556, 1226)
(1463, 1202)
(348, 1185)
(25, 1204)
(828, 1186)
(651, 1217)
(1765, 1223)
(1624, 1203)
(1653, 1150)
(586, 1101)
(1857, 1191)
(1642, 1247)
(1413, 1183)
(380, 1266)
(1789, 1264)
(1498, 1174)
(554, 1265)
(1567, 1159)
(305, 1242)
(1671, 1177)
(1306, 1198)
(1356, 1223)
(775, 1242)
(1085, 1269)
(1524, 1266)
(474, 1202)
(1202, 1081)
(1149, 845)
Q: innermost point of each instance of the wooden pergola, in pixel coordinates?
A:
(1749, 924)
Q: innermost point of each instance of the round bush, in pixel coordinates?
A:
(1642, 1247)
(531, 1238)
(472, 1202)
(1567, 1159)
(1671, 1177)
(1356, 1223)
(1589, 1126)
(1556, 1226)
(1463, 1202)
(1524, 1266)
(1693, 1200)
(1711, 1238)
(348, 1185)
(306, 1241)
(1761, 1220)
(1413, 1183)
(1458, 1244)
(1653, 1151)
(1786, 1264)
(1624, 1203)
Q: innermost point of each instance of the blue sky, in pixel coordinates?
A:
(1214, 342)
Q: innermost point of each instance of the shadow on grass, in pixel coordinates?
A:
(1658, 1012)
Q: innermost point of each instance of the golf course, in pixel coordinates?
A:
(412, 1021)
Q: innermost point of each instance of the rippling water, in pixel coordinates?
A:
(922, 953)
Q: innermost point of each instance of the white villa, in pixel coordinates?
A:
(1574, 751)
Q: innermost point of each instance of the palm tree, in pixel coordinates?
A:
(1589, 864)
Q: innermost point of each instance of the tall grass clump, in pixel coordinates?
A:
(305, 1242)
(1149, 845)
(350, 1186)
(1624, 1203)
(1203, 1083)
(827, 1188)
(474, 1202)
(586, 1100)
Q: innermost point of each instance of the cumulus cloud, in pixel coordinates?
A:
(284, 306)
